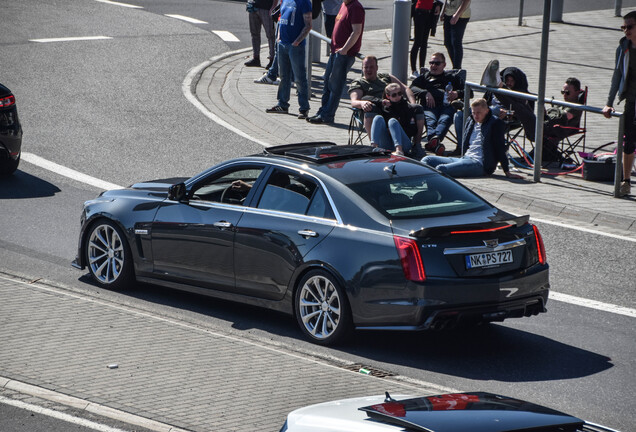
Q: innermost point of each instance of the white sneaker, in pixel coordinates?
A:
(491, 77)
(625, 188)
(264, 80)
(414, 75)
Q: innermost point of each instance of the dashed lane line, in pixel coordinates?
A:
(186, 19)
(226, 36)
(593, 304)
(114, 3)
(70, 39)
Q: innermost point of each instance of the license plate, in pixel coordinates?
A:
(488, 259)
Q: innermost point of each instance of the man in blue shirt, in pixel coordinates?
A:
(293, 27)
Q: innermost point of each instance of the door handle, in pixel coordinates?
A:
(222, 224)
(308, 233)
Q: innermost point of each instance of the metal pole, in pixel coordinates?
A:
(315, 50)
(618, 172)
(401, 33)
(556, 12)
(466, 114)
(543, 66)
(308, 50)
(617, 7)
(520, 13)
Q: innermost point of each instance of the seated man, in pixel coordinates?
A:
(369, 88)
(436, 90)
(484, 137)
(398, 122)
(558, 122)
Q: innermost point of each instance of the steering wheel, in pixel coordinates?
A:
(228, 191)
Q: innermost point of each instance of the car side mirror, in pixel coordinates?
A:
(177, 192)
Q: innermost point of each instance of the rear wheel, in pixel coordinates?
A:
(108, 256)
(322, 310)
(8, 166)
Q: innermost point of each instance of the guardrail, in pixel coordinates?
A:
(618, 172)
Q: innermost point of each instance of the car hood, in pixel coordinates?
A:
(341, 415)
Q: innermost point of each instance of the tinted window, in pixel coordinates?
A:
(231, 187)
(293, 193)
(419, 196)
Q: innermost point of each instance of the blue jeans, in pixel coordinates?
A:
(389, 137)
(292, 59)
(335, 80)
(453, 40)
(438, 120)
(456, 166)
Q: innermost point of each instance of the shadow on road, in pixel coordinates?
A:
(22, 185)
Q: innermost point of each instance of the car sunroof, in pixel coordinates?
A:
(324, 151)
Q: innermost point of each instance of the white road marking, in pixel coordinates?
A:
(59, 415)
(67, 172)
(120, 4)
(185, 18)
(70, 39)
(583, 229)
(226, 35)
(593, 304)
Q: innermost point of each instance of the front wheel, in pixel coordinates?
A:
(108, 256)
(322, 310)
(8, 166)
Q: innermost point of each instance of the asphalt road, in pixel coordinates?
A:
(114, 109)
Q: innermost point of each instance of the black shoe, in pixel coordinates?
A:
(303, 114)
(269, 65)
(277, 109)
(253, 63)
(316, 120)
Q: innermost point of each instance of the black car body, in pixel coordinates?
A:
(10, 133)
(337, 235)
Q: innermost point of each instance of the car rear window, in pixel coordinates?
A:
(419, 196)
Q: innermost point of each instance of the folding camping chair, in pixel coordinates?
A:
(357, 133)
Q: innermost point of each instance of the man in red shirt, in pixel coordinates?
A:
(345, 45)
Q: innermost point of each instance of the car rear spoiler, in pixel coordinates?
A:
(500, 221)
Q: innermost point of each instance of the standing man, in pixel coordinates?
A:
(624, 84)
(259, 15)
(293, 27)
(345, 44)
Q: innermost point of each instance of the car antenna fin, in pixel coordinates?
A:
(391, 170)
(388, 397)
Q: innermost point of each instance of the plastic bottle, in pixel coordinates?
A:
(447, 90)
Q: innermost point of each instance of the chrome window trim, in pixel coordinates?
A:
(483, 249)
(265, 164)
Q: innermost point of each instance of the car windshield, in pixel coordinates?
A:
(419, 196)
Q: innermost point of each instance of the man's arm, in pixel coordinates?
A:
(357, 101)
(405, 89)
(353, 38)
(303, 34)
(459, 12)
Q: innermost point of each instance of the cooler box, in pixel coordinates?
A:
(599, 170)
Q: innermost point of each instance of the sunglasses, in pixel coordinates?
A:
(436, 63)
(395, 94)
(627, 27)
(565, 92)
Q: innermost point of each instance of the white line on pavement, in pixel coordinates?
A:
(120, 4)
(185, 18)
(593, 304)
(67, 172)
(583, 229)
(226, 35)
(59, 415)
(70, 39)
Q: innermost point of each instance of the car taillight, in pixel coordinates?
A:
(540, 246)
(411, 259)
(7, 101)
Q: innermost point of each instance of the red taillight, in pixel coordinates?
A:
(7, 101)
(411, 259)
(481, 230)
(540, 246)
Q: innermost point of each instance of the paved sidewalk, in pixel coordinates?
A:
(170, 375)
(583, 46)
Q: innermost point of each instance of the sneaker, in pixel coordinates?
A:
(414, 75)
(264, 80)
(276, 110)
(491, 77)
(303, 114)
(625, 189)
(253, 63)
(398, 153)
